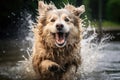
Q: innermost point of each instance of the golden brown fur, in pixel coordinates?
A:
(49, 61)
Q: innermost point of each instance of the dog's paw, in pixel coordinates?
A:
(54, 68)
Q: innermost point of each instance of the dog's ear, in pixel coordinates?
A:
(42, 7)
(76, 11)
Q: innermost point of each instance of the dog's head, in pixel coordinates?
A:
(60, 26)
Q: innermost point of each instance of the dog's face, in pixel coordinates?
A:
(60, 23)
(60, 26)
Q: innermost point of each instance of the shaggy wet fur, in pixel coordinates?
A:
(49, 61)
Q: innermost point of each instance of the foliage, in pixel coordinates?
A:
(112, 10)
(87, 7)
(60, 3)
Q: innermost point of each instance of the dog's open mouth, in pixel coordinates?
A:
(60, 39)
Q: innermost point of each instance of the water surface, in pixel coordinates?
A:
(11, 52)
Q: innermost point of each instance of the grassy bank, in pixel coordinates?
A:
(110, 24)
(107, 25)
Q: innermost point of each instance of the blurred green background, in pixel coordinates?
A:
(12, 11)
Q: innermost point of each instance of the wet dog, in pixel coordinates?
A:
(56, 51)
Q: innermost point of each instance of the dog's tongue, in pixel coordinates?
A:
(60, 38)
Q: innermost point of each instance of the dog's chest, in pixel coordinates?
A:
(63, 57)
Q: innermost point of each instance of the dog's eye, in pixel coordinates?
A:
(52, 20)
(66, 19)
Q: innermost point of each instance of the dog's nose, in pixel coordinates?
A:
(59, 26)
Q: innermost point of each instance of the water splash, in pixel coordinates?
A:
(90, 50)
(91, 53)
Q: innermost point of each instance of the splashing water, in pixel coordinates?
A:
(90, 53)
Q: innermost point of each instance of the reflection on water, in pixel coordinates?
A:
(108, 67)
(111, 61)
(12, 62)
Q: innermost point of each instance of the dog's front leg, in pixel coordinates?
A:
(70, 73)
(44, 66)
(49, 66)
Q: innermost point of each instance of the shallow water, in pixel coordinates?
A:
(106, 67)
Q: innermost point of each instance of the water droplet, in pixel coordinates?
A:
(13, 13)
(4, 51)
